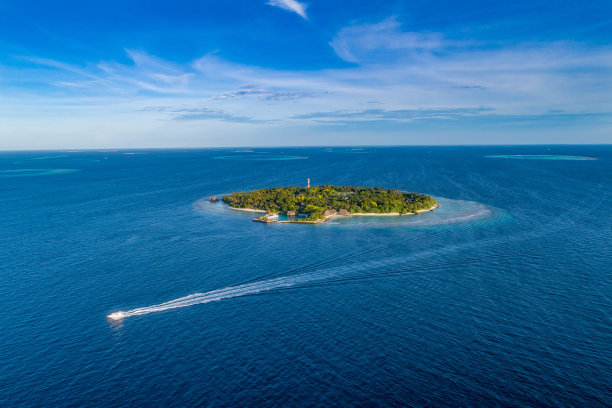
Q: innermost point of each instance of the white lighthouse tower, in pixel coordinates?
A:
(308, 179)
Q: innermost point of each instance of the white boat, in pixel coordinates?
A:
(116, 316)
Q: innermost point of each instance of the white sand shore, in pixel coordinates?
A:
(337, 215)
(247, 209)
(387, 214)
(368, 215)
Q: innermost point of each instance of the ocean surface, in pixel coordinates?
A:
(502, 297)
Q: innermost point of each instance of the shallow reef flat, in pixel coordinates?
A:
(539, 157)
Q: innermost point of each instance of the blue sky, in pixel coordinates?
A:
(79, 74)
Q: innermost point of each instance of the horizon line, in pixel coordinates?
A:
(110, 149)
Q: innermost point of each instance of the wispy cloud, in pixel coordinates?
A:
(199, 114)
(145, 74)
(51, 63)
(290, 5)
(371, 115)
(207, 114)
(264, 94)
(365, 42)
(524, 78)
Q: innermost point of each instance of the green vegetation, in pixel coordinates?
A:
(314, 201)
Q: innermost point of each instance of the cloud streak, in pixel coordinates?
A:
(290, 5)
(530, 78)
(208, 114)
(384, 40)
(373, 115)
(263, 94)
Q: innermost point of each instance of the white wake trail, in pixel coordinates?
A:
(232, 292)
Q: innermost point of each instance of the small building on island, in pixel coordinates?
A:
(269, 217)
(329, 213)
(344, 212)
(291, 214)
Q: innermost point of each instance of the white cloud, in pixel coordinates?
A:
(413, 77)
(262, 94)
(290, 5)
(519, 80)
(383, 40)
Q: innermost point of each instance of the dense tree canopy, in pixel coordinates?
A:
(314, 201)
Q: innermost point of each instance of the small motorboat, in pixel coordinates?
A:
(116, 316)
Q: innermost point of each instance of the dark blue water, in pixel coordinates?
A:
(500, 298)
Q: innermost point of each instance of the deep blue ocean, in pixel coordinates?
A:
(502, 297)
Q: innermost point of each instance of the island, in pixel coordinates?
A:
(320, 203)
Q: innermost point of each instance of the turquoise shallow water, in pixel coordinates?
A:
(259, 157)
(499, 298)
(34, 172)
(540, 157)
(451, 212)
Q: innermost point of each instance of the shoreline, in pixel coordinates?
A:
(331, 216)
(396, 214)
(246, 209)
(387, 214)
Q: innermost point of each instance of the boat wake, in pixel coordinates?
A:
(326, 276)
(215, 295)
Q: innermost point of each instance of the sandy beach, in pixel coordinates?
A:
(350, 215)
(335, 215)
(247, 209)
(385, 214)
